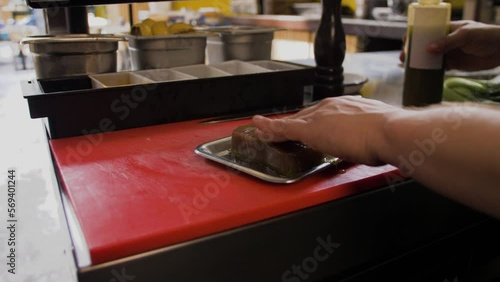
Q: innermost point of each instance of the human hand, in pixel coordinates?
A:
(469, 46)
(347, 127)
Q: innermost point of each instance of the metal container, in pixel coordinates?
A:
(164, 51)
(56, 56)
(240, 43)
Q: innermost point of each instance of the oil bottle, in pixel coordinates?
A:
(428, 21)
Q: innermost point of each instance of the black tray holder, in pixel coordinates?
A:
(71, 107)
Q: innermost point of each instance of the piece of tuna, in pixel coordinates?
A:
(288, 158)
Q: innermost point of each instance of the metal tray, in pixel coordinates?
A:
(218, 150)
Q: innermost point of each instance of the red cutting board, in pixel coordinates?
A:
(141, 189)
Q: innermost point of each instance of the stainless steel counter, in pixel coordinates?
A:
(358, 27)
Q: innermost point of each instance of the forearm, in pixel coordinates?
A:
(453, 150)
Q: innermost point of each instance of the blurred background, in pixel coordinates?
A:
(17, 20)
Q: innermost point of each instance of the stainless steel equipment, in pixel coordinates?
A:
(240, 43)
(73, 54)
(164, 51)
(219, 151)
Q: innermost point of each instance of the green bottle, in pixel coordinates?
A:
(428, 20)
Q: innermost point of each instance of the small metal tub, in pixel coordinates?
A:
(57, 56)
(242, 43)
(165, 51)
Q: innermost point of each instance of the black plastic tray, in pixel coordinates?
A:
(72, 107)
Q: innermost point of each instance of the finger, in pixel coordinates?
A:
(265, 130)
(454, 25)
(278, 130)
(291, 129)
(454, 40)
(402, 54)
(261, 122)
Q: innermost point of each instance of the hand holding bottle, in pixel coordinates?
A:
(469, 46)
(428, 21)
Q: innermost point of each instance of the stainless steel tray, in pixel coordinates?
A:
(218, 150)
